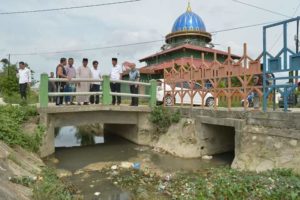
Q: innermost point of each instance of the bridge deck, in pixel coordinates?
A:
(52, 108)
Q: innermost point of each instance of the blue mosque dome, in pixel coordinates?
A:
(189, 21)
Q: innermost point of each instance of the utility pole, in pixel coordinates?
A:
(8, 65)
(297, 49)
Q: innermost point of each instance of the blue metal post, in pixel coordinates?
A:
(285, 48)
(264, 69)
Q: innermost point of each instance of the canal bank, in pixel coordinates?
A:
(88, 167)
(156, 175)
(109, 173)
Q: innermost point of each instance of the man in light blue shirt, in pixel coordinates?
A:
(134, 75)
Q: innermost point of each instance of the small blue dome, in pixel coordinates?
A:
(188, 21)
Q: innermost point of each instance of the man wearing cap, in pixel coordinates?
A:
(83, 72)
(115, 74)
(134, 75)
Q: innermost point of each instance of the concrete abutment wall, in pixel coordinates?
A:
(261, 141)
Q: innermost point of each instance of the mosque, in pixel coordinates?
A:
(188, 38)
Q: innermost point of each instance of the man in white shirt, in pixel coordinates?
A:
(95, 86)
(115, 74)
(24, 75)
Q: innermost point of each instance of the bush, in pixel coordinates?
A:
(162, 118)
(8, 80)
(231, 184)
(14, 98)
(51, 187)
(11, 118)
(216, 184)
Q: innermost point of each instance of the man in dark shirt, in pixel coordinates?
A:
(61, 73)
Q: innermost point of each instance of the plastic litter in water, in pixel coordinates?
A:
(136, 166)
(97, 193)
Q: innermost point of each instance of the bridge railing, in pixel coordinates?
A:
(106, 94)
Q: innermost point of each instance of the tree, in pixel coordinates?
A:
(8, 78)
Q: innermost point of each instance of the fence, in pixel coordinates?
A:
(105, 94)
(215, 78)
(284, 63)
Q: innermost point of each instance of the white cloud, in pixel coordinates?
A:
(122, 24)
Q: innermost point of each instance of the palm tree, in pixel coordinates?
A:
(5, 61)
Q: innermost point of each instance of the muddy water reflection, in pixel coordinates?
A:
(116, 149)
(70, 136)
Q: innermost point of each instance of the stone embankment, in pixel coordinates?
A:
(17, 163)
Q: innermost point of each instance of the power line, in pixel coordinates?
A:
(280, 35)
(87, 49)
(67, 8)
(126, 45)
(131, 44)
(261, 8)
(243, 27)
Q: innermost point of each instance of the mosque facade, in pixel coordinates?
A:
(188, 39)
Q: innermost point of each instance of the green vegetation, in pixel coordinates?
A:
(46, 186)
(231, 184)
(9, 86)
(14, 98)
(51, 187)
(24, 180)
(11, 119)
(162, 118)
(218, 183)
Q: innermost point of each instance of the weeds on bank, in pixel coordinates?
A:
(15, 98)
(51, 187)
(25, 181)
(47, 186)
(217, 183)
(232, 184)
(11, 119)
(162, 118)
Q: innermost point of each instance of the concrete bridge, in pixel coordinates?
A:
(56, 117)
(260, 140)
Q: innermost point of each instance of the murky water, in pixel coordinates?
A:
(114, 149)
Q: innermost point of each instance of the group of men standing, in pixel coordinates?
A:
(66, 70)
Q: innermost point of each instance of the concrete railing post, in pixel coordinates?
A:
(106, 97)
(153, 88)
(43, 93)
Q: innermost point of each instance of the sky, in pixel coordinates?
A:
(146, 20)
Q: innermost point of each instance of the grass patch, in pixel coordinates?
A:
(231, 184)
(162, 118)
(13, 158)
(24, 180)
(11, 118)
(217, 183)
(14, 98)
(49, 186)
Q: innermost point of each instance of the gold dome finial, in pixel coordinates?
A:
(189, 8)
